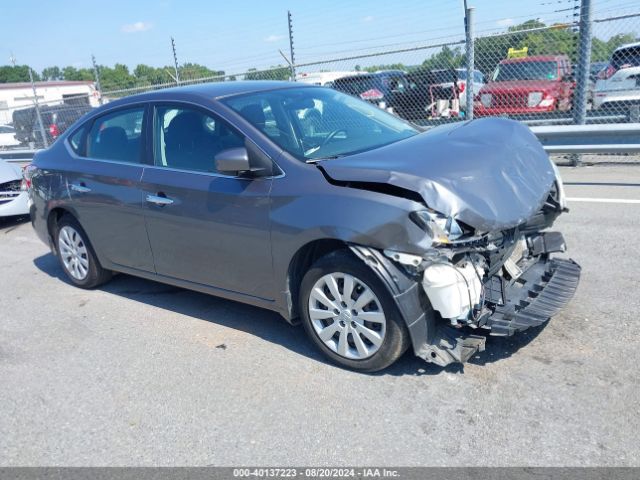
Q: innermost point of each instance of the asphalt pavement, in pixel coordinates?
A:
(140, 373)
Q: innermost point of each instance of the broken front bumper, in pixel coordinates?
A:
(542, 289)
(539, 293)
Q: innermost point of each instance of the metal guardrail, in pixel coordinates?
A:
(606, 138)
(17, 156)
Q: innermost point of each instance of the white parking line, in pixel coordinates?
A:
(602, 200)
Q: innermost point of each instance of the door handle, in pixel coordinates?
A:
(79, 188)
(159, 200)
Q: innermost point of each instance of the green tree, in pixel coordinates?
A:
(278, 72)
(446, 58)
(72, 73)
(116, 78)
(19, 73)
(195, 71)
(52, 73)
(601, 50)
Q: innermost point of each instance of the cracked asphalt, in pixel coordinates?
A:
(139, 373)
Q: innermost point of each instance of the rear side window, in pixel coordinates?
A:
(117, 136)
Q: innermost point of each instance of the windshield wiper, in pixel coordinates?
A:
(316, 160)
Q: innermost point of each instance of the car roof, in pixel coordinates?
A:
(213, 90)
(628, 45)
(535, 58)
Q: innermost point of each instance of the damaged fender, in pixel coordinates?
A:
(433, 341)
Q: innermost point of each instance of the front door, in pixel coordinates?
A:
(205, 227)
(105, 189)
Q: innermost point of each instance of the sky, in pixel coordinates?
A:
(237, 35)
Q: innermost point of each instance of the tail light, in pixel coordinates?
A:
(462, 86)
(27, 172)
(53, 130)
(607, 72)
(373, 94)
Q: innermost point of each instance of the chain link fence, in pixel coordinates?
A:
(579, 69)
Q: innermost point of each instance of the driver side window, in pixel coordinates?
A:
(189, 139)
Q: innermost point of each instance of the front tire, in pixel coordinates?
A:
(76, 255)
(349, 314)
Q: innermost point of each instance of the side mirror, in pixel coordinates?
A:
(233, 161)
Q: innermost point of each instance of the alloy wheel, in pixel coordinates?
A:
(73, 252)
(347, 316)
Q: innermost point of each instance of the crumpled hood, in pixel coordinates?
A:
(491, 173)
(9, 172)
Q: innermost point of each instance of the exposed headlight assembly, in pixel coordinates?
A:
(440, 228)
(534, 99)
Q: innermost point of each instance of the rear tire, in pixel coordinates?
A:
(350, 315)
(76, 255)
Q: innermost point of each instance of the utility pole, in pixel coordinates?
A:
(582, 73)
(470, 47)
(584, 61)
(292, 64)
(12, 59)
(96, 74)
(45, 142)
(175, 60)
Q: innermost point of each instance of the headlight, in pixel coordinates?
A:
(562, 200)
(534, 99)
(440, 228)
(485, 98)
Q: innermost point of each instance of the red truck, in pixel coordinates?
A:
(537, 84)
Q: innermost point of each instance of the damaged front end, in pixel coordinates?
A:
(504, 285)
(490, 264)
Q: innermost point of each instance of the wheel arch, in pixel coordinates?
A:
(53, 217)
(300, 263)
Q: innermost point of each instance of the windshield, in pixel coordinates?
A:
(526, 71)
(629, 57)
(316, 123)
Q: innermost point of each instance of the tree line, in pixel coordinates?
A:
(111, 78)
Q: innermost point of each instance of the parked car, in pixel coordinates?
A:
(376, 88)
(55, 120)
(527, 85)
(424, 89)
(618, 85)
(376, 236)
(13, 191)
(594, 70)
(8, 136)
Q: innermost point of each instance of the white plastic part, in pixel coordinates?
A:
(453, 291)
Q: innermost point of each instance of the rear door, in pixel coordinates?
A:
(205, 227)
(104, 187)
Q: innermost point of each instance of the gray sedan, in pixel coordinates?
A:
(376, 236)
